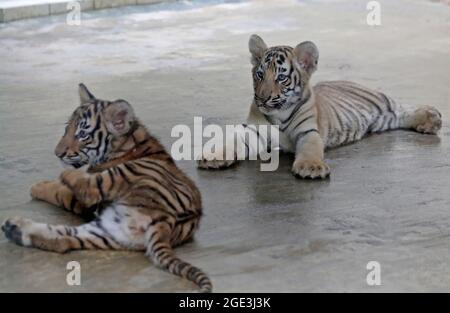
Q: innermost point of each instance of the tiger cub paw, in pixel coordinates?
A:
(71, 178)
(310, 169)
(78, 182)
(16, 229)
(41, 189)
(428, 120)
(214, 160)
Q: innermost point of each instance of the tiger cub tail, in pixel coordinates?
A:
(160, 251)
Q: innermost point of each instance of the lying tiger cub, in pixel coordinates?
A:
(147, 202)
(330, 114)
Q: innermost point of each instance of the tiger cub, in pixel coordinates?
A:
(311, 119)
(143, 200)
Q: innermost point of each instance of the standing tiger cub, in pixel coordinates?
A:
(311, 119)
(143, 200)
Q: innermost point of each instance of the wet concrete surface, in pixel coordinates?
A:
(387, 199)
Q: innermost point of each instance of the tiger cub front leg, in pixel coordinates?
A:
(85, 187)
(222, 157)
(56, 193)
(245, 143)
(309, 161)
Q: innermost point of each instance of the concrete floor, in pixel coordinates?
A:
(387, 199)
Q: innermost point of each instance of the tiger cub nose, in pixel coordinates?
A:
(59, 153)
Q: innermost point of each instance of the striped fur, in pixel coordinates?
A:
(312, 119)
(141, 199)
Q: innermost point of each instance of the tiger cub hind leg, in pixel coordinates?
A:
(118, 227)
(57, 238)
(425, 119)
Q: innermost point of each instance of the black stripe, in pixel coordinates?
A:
(204, 280)
(187, 216)
(181, 266)
(359, 110)
(390, 121)
(97, 125)
(93, 244)
(388, 102)
(100, 237)
(303, 134)
(299, 123)
(341, 125)
(192, 227)
(180, 202)
(247, 150)
(294, 111)
(383, 121)
(160, 219)
(168, 175)
(161, 195)
(163, 183)
(99, 181)
(112, 179)
(98, 222)
(103, 154)
(79, 241)
(152, 236)
(159, 249)
(132, 170)
(122, 174)
(176, 183)
(373, 103)
(350, 115)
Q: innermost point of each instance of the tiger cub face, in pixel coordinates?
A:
(281, 74)
(92, 128)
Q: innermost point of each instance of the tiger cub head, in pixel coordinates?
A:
(281, 74)
(92, 128)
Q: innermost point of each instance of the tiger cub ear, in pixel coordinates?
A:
(85, 94)
(307, 56)
(257, 48)
(119, 117)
